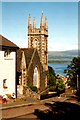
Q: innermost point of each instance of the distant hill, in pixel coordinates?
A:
(62, 55)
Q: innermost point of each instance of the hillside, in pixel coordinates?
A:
(62, 56)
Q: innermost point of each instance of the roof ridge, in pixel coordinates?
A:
(7, 42)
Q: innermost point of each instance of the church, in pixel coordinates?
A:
(32, 62)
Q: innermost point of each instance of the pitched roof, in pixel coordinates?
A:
(7, 43)
(28, 55)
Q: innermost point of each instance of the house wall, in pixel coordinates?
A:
(7, 71)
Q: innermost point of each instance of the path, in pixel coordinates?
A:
(27, 110)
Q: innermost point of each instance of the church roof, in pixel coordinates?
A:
(28, 55)
(4, 42)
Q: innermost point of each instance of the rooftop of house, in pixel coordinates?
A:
(7, 43)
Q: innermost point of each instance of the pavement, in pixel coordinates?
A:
(18, 102)
(20, 108)
(28, 105)
(31, 101)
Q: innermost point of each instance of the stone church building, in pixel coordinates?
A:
(32, 62)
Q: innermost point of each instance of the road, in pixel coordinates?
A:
(27, 112)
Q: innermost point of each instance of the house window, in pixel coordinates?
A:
(4, 84)
(7, 54)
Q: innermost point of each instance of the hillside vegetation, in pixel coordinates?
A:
(61, 56)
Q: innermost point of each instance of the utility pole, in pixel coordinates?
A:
(77, 83)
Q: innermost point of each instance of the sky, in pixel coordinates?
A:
(62, 23)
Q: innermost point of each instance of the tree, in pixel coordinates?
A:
(51, 77)
(73, 71)
(60, 86)
(55, 84)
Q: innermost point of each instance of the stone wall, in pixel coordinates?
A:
(29, 93)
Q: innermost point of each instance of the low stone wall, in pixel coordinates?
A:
(29, 93)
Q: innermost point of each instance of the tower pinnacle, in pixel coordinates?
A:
(42, 20)
(46, 23)
(29, 20)
(34, 23)
(29, 24)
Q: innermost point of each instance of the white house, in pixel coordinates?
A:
(7, 66)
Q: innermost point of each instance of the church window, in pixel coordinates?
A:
(36, 78)
(35, 43)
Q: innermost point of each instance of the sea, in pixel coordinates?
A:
(59, 60)
(59, 67)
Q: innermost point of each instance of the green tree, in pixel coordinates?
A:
(73, 71)
(60, 86)
(51, 77)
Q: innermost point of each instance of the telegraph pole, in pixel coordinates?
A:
(77, 83)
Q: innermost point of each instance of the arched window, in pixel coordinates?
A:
(36, 78)
(35, 43)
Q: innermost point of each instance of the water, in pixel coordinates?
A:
(59, 67)
(60, 60)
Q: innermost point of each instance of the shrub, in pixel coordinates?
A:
(52, 88)
(33, 88)
(9, 96)
(60, 86)
(78, 93)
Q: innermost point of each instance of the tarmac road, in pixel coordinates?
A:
(18, 111)
(27, 111)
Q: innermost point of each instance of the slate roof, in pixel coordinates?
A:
(7, 43)
(28, 55)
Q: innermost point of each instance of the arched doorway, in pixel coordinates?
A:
(36, 77)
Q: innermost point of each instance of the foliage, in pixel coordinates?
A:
(73, 71)
(9, 96)
(60, 86)
(55, 84)
(51, 77)
(33, 88)
(52, 88)
(78, 93)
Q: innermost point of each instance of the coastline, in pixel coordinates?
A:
(58, 61)
(59, 67)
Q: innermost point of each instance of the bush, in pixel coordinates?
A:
(52, 88)
(9, 96)
(60, 86)
(78, 93)
(33, 88)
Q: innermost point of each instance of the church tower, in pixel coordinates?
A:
(38, 38)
